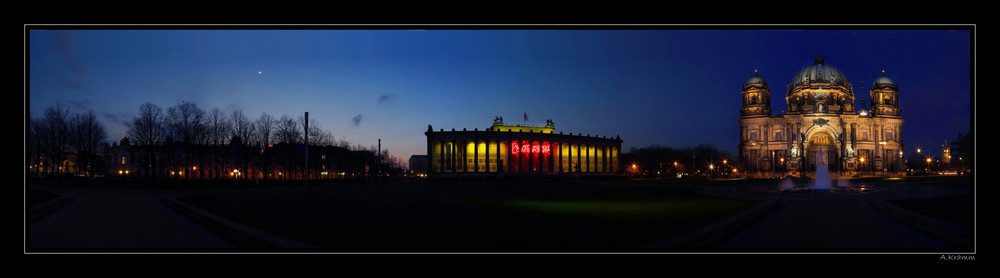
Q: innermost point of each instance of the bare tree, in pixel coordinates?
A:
(86, 136)
(55, 130)
(36, 134)
(148, 132)
(185, 122)
(265, 125)
(242, 129)
(218, 134)
(288, 130)
(317, 136)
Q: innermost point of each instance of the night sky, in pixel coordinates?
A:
(676, 88)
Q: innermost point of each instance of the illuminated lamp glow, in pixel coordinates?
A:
(514, 148)
(545, 149)
(525, 147)
(535, 148)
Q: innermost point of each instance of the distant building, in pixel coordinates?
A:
(821, 116)
(418, 164)
(512, 148)
(946, 156)
(121, 158)
(961, 150)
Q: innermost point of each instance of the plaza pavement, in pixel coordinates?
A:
(99, 220)
(841, 222)
(93, 218)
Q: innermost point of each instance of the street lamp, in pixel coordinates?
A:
(862, 166)
(928, 165)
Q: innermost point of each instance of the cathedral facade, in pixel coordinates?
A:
(821, 117)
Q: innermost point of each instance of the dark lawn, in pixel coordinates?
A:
(955, 209)
(477, 216)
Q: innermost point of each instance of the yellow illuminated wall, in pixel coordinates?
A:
(614, 159)
(504, 150)
(469, 158)
(600, 159)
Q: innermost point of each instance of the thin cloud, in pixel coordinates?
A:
(122, 118)
(357, 120)
(82, 105)
(65, 45)
(386, 98)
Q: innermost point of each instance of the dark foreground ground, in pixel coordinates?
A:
(575, 215)
(478, 216)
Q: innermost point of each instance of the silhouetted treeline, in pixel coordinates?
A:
(59, 143)
(666, 161)
(186, 142)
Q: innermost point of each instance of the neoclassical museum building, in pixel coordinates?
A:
(821, 116)
(519, 149)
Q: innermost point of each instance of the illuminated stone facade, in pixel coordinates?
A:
(519, 149)
(821, 116)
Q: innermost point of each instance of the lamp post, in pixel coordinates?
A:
(862, 171)
(928, 165)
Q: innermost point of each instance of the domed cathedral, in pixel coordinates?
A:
(821, 117)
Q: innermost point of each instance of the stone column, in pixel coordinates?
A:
(430, 156)
(579, 158)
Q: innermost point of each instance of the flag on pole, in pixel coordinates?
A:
(525, 117)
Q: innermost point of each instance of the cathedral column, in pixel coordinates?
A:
(843, 146)
(877, 135)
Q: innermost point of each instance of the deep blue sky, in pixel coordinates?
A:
(676, 88)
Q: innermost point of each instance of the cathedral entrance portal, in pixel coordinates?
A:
(824, 141)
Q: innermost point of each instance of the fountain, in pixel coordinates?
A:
(822, 173)
(823, 184)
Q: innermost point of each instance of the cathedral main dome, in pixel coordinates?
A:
(820, 88)
(819, 72)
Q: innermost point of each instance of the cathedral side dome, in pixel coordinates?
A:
(755, 79)
(884, 80)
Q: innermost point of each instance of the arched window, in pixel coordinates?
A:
(822, 138)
